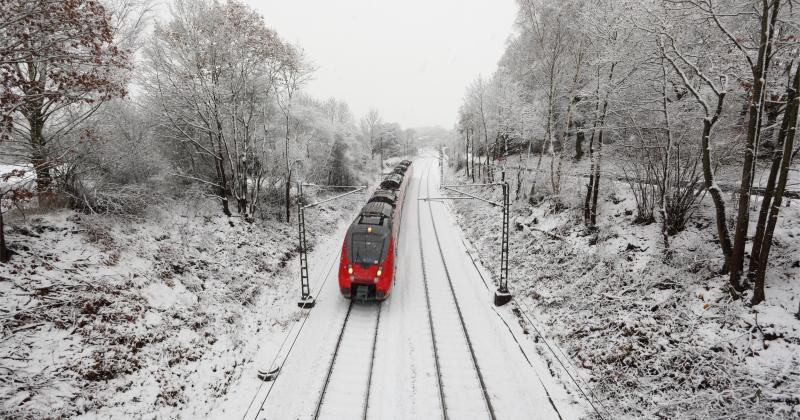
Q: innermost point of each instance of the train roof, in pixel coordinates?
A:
(377, 209)
(392, 182)
(383, 196)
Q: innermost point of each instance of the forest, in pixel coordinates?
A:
(651, 155)
(698, 98)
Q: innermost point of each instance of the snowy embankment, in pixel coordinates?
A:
(114, 318)
(655, 337)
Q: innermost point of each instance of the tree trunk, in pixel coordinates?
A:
(466, 155)
(595, 189)
(224, 191)
(39, 159)
(4, 257)
(223, 188)
(580, 137)
(587, 204)
(766, 201)
(593, 156)
(666, 185)
(472, 157)
(519, 179)
(785, 157)
(758, 292)
(288, 196)
(486, 160)
(565, 136)
(536, 171)
(711, 184)
(753, 131)
(596, 176)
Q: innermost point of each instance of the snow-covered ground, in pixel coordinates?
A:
(653, 337)
(145, 318)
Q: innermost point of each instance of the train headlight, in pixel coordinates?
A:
(349, 269)
(380, 271)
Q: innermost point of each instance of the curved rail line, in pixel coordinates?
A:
(462, 323)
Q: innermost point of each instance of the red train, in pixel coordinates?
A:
(367, 267)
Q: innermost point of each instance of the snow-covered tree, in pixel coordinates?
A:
(59, 63)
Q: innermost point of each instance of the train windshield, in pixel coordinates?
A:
(367, 248)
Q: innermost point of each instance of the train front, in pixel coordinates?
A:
(366, 270)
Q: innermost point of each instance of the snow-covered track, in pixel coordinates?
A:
(349, 374)
(463, 391)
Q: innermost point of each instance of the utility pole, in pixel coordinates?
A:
(502, 295)
(307, 301)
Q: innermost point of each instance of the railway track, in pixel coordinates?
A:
(284, 352)
(349, 375)
(463, 391)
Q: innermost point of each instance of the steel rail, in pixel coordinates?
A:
(333, 360)
(475, 363)
(332, 366)
(443, 404)
(372, 364)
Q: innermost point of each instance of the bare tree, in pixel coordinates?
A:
(679, 61)
(768, 18)
(292, 77)
(774, 192)
(213, 71)
(369, 125)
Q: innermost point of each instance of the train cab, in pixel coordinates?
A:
(367, 262)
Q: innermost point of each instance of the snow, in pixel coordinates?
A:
(649, 336)
(15, 181)
(156, 317)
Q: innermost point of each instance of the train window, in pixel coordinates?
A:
(367, 248)
(371, 220)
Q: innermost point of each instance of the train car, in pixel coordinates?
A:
(367, 265)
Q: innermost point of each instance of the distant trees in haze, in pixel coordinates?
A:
(385, 139)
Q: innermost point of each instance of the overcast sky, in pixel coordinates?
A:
(410, 59)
